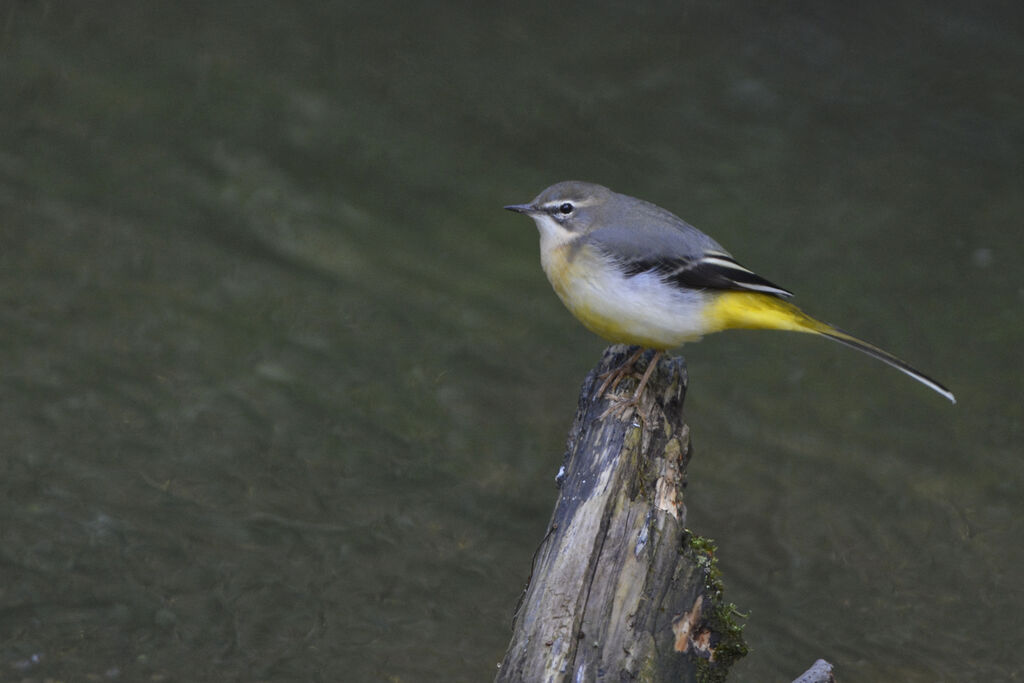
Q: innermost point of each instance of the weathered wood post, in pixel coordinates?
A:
(620, 589)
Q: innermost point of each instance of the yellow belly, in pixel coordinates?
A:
(625, 310)
(644, 310)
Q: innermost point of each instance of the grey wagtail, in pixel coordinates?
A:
(634, 273)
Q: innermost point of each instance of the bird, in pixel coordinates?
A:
(635, 273)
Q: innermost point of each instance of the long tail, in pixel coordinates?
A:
(886, 357)
(734, 310)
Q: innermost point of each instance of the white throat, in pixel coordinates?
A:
(553, 235)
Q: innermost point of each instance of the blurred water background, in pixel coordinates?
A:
(283, 390)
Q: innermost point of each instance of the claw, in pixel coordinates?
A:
(619, 404)
(616, 375)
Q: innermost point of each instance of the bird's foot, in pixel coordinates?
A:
(610, 379)
(619, 405)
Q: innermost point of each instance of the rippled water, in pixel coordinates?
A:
(283, 390)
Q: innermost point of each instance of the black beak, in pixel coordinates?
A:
(521, 208)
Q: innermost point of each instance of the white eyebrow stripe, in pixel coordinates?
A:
(556, 203)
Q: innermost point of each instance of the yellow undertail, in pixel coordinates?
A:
(753, 311)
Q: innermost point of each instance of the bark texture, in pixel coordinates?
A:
(620, 590)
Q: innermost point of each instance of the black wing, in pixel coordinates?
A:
(712, 270)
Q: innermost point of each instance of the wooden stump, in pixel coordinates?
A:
(620, 589)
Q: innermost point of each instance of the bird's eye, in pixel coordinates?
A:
(566, 208)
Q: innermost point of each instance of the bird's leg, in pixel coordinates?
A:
(614, 376)
(647, 375)
(620, 405)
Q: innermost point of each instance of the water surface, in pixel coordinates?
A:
(283, 391)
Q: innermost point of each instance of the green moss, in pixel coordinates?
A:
(723, 617)
(631, 440)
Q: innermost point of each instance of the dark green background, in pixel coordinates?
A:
(283, 390)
